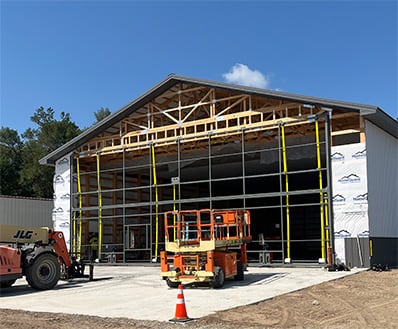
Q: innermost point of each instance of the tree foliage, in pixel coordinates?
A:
(26, 176)
(20, 171)
(51, 133)
(101, 114)
(10, 161)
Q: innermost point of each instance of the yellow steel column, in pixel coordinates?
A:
(74, 237)
(99, 207)
(79, 191)
(329, 253)
(287, 193)
(156, 204)
(328, 237)
(319, 163)
(370, 248)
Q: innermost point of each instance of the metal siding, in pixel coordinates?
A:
(385, 251)
(26, 212)
(382, 162)
(353, 254)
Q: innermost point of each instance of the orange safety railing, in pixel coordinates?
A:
(192, 226)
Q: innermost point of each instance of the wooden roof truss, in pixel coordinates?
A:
(191, 113)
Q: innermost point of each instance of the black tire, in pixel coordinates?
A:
(172, 284)
(7, 284)
(44, 273)
(240, 276)
(219, 279)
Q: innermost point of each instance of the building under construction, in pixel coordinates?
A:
(317, 175)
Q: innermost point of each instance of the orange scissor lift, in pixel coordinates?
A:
(207, 246)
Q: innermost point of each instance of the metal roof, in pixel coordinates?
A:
(371, 112)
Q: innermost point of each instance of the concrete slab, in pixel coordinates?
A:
(138, 292)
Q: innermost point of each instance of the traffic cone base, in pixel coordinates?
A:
(181, 312)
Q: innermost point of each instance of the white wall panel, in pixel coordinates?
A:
(350, 194)
(382, 163)
(62, 199)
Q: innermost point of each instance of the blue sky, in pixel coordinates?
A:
(79, 56)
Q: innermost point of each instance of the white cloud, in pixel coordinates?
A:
(241, 74)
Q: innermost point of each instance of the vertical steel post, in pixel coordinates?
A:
(288, 260)
(73, 235)
(179, 172)
(150, 198)
(79, 191)
(73, 227)
(243, 170)
(124, 203)
(156, 203)
(210, 190)
(174, 213)
(327, 231)
(329, 182)
(319, 167)
(280, 192)
(99, 206)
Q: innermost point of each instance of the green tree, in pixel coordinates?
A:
(10, 161)
(48, 136)
(101, 114)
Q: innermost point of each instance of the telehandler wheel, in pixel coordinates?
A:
(219, 279)
(240, 276)
(7, 284)
(44, 273)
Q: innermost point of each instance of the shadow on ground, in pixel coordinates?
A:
(24, 289)
(250, 279)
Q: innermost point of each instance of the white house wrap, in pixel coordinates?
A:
(62, 205)
(350, 194)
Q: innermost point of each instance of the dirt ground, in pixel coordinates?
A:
(364, 300)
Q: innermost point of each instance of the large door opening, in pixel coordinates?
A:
(278, 175)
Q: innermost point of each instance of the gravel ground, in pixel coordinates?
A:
(364, 300)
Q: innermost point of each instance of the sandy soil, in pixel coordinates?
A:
(364, 300)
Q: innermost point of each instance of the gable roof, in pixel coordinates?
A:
(371, 112)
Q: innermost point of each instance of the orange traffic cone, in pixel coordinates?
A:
(181, 312)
